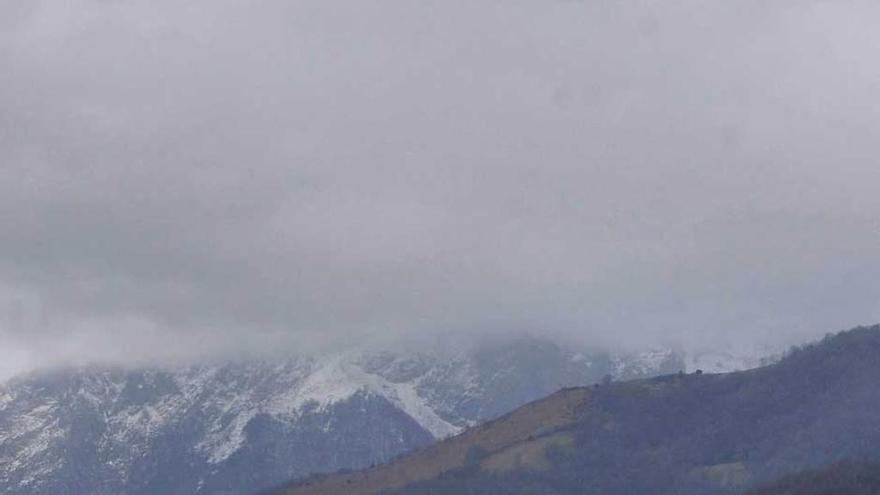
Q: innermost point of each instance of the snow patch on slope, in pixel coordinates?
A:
(338, 378)
(333, 379)
(314, 386)
(40, 426)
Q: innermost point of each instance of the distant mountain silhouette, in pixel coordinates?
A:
(677, 434)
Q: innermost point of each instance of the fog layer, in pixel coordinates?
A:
(207, 178)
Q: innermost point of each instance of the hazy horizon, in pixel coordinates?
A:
(226, 178)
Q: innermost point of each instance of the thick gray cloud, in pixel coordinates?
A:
(207, 177)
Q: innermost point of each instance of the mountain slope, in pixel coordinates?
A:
(682, 434)
(238, 427)
(842, 478)
(130, 431)
(503, 433)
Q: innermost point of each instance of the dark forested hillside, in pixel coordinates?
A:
(842, 478)
(682, 434)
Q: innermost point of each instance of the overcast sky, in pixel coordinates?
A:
(211, 177)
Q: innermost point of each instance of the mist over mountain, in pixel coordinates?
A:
(217, 178)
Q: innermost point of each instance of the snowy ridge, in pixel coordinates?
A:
(283, 391)
(196, 424)
(339, 377)
(332, 379)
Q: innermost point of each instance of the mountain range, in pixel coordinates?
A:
(683, 433)
(239, 427)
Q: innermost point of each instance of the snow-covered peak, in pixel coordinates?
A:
(337, 378)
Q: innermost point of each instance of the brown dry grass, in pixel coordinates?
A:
(528, 454)
(522, 425)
